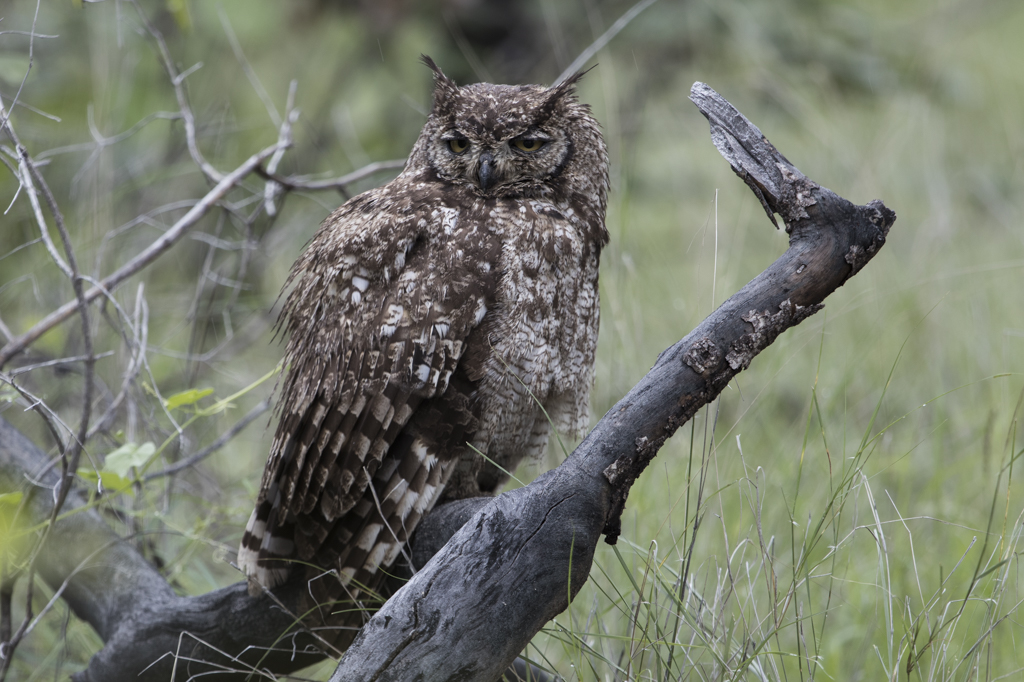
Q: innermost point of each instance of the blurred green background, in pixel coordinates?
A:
(835, 543)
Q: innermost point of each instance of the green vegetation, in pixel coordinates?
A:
(859, 505)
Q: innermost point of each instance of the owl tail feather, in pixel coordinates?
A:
(267, 548)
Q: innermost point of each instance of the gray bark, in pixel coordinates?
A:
(108, 584)
(519, 559)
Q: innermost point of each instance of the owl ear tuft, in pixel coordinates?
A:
(444, 87)
(568, 85)
(565, 88)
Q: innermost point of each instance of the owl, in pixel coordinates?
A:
(438, 328)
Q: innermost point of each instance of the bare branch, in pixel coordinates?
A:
(25, 176)
(216, 445)
(100, 141)
(27, 33)
(69, 463)
(151, 253)
(59, 362)
(31, 108)
(139, 325)
(254, 80)
(604, 39)
(530, 550)
(293, 182)
(178, 81)
(291, 115)
(10, 642)
(50, 418)
(31, 58)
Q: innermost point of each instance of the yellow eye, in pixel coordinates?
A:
(458, 145)
(528, 144)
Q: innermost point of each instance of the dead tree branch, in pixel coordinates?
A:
(300, 183)
(108, 584)
(69, 456)
(513, 566)
(149, 631)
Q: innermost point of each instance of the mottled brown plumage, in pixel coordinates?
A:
(430, 320)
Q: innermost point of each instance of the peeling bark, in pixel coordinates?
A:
(520, 559)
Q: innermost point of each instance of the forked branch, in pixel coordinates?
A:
(517, 561)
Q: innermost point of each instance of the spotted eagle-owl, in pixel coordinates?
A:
(435, 325)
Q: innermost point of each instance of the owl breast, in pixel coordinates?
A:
(532, 357)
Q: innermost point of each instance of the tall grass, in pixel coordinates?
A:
(818, 580)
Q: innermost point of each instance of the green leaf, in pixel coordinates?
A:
(127, 456)
(189, 397)
(11, 499)
(13, 540)
(179, 10)
(109, 481)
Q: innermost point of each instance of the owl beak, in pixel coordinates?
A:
(486, 172)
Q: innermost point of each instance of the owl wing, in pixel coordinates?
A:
(383, 301)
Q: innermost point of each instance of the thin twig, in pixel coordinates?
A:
(36, 404)
(253, 414)
(604, 39)
(140, 331)
(154, 384)
(193, 309)
(57, 363)
(466, 48)
(31, 34)
(293, 182)
(6, 594)
(291, 115)
(25, 177)
(34, 110)
(100, 141)
(31, 58)
(7, 648)
(254, 80)
(178, 80)
(153, 251)
(70, 466)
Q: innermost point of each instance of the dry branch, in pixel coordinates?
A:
(515, 560)
(518, 560)
(299, 183)
(149, 631)
(148, 255)
(108, 584)
(69, 456)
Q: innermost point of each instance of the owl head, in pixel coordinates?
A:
(512, 141)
